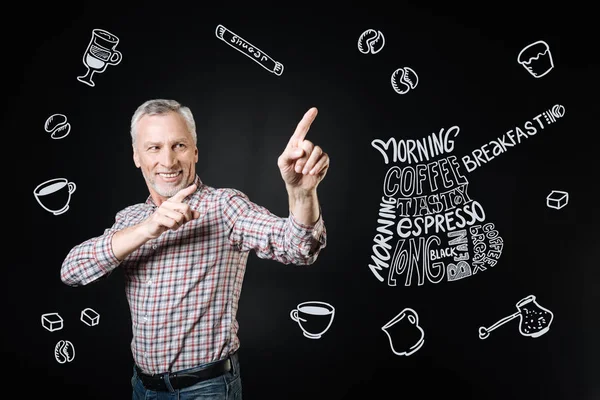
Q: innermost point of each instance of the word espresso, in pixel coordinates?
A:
(429, 228)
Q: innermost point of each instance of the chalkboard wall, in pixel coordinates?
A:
(460, 204)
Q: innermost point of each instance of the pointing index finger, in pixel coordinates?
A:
(183, 193)
(303, 126)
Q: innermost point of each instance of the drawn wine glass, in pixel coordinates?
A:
(99, 54)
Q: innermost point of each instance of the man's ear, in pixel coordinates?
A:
(136, 158)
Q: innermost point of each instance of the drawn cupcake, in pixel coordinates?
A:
(536, 59)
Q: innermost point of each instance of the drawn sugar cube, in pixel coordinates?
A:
(90, 317)
(52, 321)
(557, 199)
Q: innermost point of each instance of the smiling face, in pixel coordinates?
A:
(166, 154)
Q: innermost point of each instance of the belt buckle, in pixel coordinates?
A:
(183, 380)
(159, 385)
(152, 382)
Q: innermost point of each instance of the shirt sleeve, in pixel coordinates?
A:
(93, 258)
(253, 227)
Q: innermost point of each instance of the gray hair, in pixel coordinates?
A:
(163, 106)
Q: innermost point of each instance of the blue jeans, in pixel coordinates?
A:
(225, 387)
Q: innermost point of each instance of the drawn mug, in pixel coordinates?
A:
(314, 318)
(54, 195)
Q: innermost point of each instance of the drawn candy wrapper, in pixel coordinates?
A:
(536, 58)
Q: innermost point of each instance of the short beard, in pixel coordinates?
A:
(170, 192)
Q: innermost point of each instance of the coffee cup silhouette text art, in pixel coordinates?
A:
(441, 233)
(404, 333)
(429, 228)
(54, 195)
(313, 317)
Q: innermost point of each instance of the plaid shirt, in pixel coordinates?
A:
(183, 287)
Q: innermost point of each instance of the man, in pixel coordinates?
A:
(184, 252)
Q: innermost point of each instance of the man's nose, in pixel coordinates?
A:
(167, 158)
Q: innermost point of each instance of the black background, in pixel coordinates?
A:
(466, 59)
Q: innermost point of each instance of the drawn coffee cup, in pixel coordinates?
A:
(54, 195)
(404, 333)
(99, 54)
(314, 318)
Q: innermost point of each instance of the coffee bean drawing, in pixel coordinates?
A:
(57, 125)
(371, 42)
(404, 79)
(64, 351)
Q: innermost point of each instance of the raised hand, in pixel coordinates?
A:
(302, 164)
(171, 215)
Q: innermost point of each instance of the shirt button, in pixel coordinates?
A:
(149, 282)
(154, 246)
(145, 318)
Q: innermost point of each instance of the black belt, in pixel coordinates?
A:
(182, 379)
